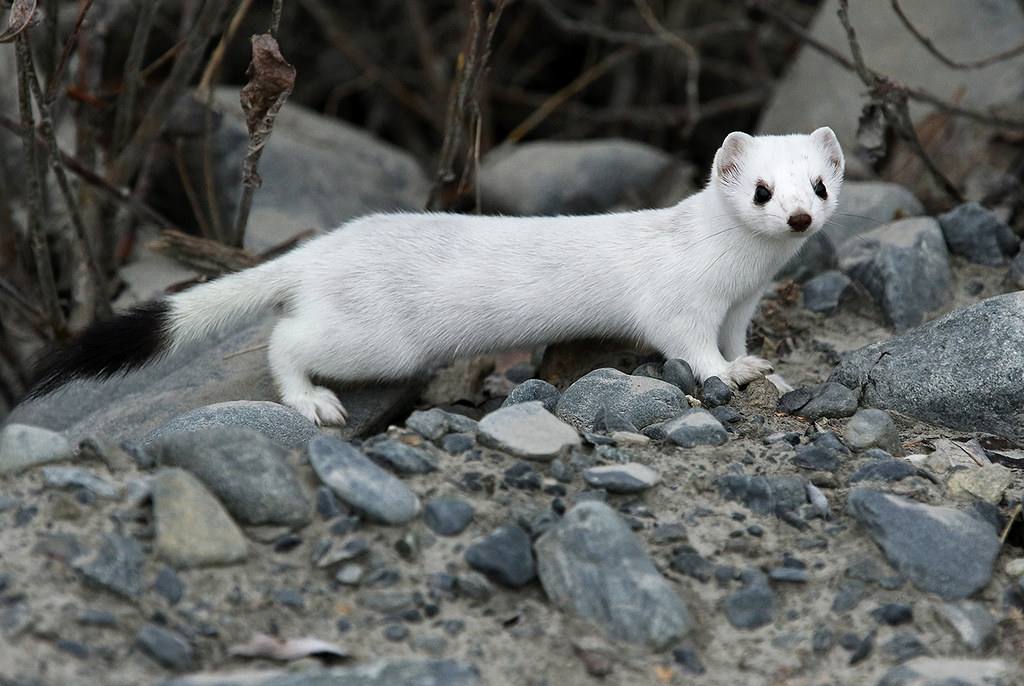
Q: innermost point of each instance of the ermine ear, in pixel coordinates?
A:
(729, 157)
(825, 139)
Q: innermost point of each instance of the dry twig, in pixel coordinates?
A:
(930, 46)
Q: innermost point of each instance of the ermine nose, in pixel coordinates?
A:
(800, 222)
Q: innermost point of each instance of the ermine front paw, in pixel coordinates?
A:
(780, 383)
(320, 406)
(745, 369)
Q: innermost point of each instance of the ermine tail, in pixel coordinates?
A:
(149, 331)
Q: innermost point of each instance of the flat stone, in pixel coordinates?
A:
(964, 370)
(116, 566)
(829, 400)
(973, 623)
(827, 291)
(505, 556)
(753, 606)
(527, 430)
(182, 508)
(447, 516)
(73, 477)
(434, 423)
(23, 446)
(534, 389)
(940, 671)
(985, 483)
(883, 470)
(905, 267)
(872, 428)
(978, 234)
(695, 427)
(281, 424)
(631, 477)
(169, 648)
(401, 458)
(772, 494)
(244, 468)
(356, 480)
(592, 565)
(641, 400)
(394, 671)
(940, 549)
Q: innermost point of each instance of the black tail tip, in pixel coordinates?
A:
(112, 346)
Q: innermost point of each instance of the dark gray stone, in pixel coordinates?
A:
(714, 392)
(816, 402)
(976, 233)
(244, 468)
(816, 255)
(362, 484)
(168, 585)
(883, 470)
(816, 458)
(940, 549)
(116, 566)
(401, 458)
(447, 516)
(386, 672)
(631, 477)
(905, 268)
(773, 494)
(456, 444)
(169, 648)
(688, 561)
(505, 556)
(753, 606)
(678, 373)
(964, 370)
(591, 564)
(534, 389)
(641, 400)
(695, 427)
(827, 291)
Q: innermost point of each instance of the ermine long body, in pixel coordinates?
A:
(389, 295)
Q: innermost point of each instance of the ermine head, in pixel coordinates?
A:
(783, 186)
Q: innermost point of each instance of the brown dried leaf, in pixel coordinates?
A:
(22, 14)
(286, 649)
(270, 78)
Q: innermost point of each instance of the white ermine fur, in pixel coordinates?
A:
(388, 295)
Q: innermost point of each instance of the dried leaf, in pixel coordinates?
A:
(271, 78)
(287, 649)
(871, 133)
(23, 13)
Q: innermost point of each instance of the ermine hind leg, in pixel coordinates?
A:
(290, 354)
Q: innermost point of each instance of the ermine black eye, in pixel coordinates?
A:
(819, 189)
(762, 195)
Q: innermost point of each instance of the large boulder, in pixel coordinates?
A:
(964, 370)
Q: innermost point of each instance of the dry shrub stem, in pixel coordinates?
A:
(930, 46)
(132, 79)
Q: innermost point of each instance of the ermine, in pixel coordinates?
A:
(389, 295)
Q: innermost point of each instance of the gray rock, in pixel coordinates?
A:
(714, 393)
(905, 268)
(169, 648)
(949, 671)
(115, 566)
(575, 177)
(940, 549)
(534, 389)
(1015, 275)
(129, 408)
(23, 446)
(527, 430)
(816, 255)
(447, 516)
(815, 89)
(631, 477)
(431, 424)
(247, 471)
(753, 606)
(826, 291)
(168, 585)
(281, 424)
(871, 428)
(773, 494)
(865, 205)
(386, 672)
(680, 374)
(505, 556)
(182, 509)
(824, 400)
(456, 444)
(362, 484)
(73, 477)
(978, 234)
(401, 458)
(695, 427)
(883, 470)
(592, 565)
(963, 371)
(974, 624)
(641, 400)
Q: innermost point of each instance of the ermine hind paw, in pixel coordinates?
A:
(745, 369)
(320, 406)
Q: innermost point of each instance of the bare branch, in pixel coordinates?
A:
(930, 46)
(692, 63)
(132, 78)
